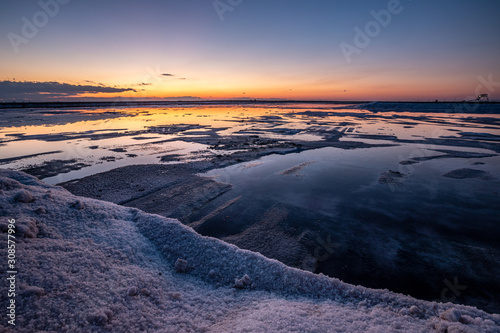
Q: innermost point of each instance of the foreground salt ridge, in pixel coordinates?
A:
(87, 265)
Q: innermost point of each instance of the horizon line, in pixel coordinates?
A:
(275, 100)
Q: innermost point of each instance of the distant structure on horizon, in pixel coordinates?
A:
(481, 98)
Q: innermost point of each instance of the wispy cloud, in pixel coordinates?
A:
(33, 90)
(95, 83)
(165, 75)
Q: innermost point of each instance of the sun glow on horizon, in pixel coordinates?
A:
(258, 52)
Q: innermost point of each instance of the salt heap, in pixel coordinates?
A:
(85, 265)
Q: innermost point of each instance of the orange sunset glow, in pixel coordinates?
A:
(198, 51)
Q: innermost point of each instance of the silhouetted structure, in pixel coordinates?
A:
(482, 98)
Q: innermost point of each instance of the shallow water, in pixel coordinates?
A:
(116, 138)
(407, 216)
(337, 218)
(103, 139)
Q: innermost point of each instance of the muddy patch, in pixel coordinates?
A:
(118, 150)
(172, 158)
(467, 173)
(446, 154)
(17, 158)
(296, 169)
(391, 177)
(54, 167)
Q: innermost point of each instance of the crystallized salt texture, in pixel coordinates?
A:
(108, 268)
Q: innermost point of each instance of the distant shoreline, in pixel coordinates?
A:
(50, 105)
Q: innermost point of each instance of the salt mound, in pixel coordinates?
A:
(85, 265)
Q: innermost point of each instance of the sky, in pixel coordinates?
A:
(56, 50)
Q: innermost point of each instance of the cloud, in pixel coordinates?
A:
(33, 90)
(95, 83)
(172, 75)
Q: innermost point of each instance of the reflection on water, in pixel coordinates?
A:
(87, 141)
(328, 211)
(398, 200)
(120, 137)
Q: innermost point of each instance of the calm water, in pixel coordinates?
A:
(333, 216)
(384, 217)
(103, 139)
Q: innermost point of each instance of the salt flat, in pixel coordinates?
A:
(383, 196)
